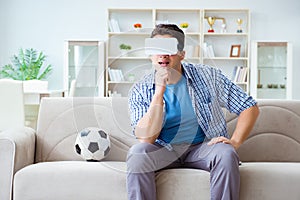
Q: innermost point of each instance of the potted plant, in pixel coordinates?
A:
(26, 66)
(184, 26)
(124, 48)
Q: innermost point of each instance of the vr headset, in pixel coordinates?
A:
(161, 46)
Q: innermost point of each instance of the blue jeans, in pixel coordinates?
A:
(221, 160)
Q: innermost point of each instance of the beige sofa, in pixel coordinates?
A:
(44, 165)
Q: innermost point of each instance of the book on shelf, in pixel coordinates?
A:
(239, 74)
(110, 28)
(208, 50)
(115, 74)
(114, 25)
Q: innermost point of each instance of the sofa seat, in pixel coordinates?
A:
(270, 180)
(72, 180)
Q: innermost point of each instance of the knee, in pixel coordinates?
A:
(138, 158)
(229, 152)
(139, 151)
(142, 147)
(227, 155)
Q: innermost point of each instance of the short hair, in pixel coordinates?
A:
(170, 29)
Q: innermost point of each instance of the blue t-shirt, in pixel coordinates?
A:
(180, 125)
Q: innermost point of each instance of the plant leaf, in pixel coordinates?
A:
(27, 65)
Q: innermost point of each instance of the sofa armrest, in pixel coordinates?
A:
(17, 149)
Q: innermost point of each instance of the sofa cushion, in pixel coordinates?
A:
(269, 181)
(60, 119)
(259, 181)
(77, 180)
(179, 184)
(71, 180)
(276, 134)
(274, 138)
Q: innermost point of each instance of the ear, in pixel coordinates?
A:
(181, 54)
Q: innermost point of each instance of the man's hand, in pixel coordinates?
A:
(225, 140)
(161, 79)
(246, 121)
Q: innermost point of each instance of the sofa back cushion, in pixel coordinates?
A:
(274, 138)
(60, 119)
(276, 134)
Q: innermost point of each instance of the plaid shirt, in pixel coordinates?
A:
(210, 91)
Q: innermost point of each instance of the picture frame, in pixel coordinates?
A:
(235, 50)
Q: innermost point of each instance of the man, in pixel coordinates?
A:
(177, 116)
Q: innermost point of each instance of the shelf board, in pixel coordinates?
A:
(225, 34)
(272, 89)
(192, 33)
(271, 67)
(225, 58)
(192, 58)
(128, 58)
(120, 82)
(226, 10)
(86, 86)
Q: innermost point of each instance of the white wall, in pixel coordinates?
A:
(46, 24)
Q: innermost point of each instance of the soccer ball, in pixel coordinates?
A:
(92, 144)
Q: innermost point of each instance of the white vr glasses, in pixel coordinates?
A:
(161, 46)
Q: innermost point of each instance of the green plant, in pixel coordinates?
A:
(28, 65)
(125, 46)
(184, 25)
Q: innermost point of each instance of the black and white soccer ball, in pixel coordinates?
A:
(92, 144)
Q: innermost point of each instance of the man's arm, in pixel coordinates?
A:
(149, 126)
(246, 121)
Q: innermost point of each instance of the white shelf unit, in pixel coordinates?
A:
(135, 63)
(221, 42)
(271, 70)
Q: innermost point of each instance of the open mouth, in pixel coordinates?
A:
(163, 63)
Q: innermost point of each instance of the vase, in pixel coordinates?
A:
(124, 52)
(138, 29)
(184, 29)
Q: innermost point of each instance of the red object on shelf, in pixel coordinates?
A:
(137, 25)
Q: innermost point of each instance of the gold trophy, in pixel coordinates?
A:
(211, 21)
(239, 22)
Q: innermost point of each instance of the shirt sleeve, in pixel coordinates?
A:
(232, 96)
(137, 106)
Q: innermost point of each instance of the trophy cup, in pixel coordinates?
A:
(211, 21)
(223, 29)
(239, 22)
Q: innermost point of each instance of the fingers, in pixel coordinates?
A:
(218, 140)
(161, 79)
(162, 76)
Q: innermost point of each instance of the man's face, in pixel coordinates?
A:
(168, 61)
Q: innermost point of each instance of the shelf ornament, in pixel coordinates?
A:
(239, 21)
(211, 22)
(137, 26)
(125, 48)
(184, 26)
